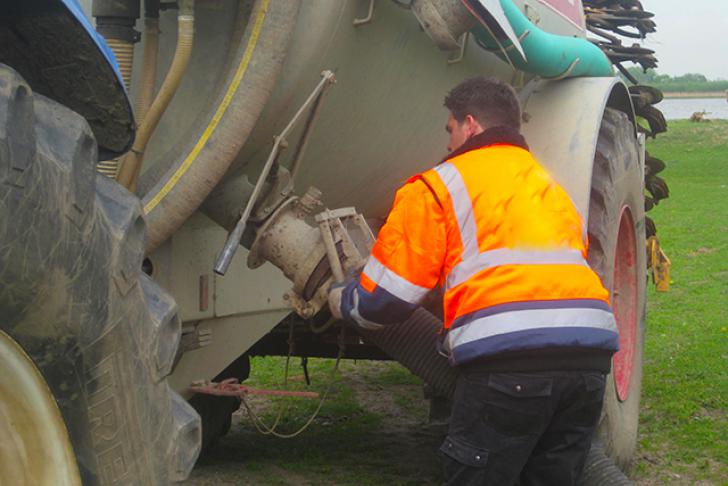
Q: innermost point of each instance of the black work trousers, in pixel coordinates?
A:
(529, 429)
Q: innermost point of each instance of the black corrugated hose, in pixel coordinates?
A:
(414, 344)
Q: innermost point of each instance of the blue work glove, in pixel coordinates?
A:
(336, 299)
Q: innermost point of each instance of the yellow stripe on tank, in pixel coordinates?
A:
(239, 73)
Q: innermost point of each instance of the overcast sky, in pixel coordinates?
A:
(691, 37)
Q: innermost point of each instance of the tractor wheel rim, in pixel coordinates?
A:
(35, 448)
(624, 302)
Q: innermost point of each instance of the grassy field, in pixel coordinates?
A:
(684, 428)
(695, 94)
(372, 430)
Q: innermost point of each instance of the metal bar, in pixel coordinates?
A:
(366, 230)
(347, 243)
(231, 388)
(463, 47)
(368, 18)
(233, 240)
(306, 135)
(326, 77)
(331, 252)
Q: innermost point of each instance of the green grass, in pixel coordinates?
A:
(370, 431)
(684, 430)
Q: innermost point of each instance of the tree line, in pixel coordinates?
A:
(687, 83)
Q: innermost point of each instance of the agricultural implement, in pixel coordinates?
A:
(146, 249)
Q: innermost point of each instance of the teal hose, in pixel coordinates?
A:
(547, 55)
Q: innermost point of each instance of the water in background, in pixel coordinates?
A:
(681, 108)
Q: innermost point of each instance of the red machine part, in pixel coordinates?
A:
(232, 388)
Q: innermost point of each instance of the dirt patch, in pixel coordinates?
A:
(702, 251)
(657, 468)
(384, 439)
(404, 430)
(382, 398)
(380, 435)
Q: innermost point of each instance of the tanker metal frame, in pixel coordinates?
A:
(254, 63)
(381, 123)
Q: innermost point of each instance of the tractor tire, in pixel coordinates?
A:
(617, 254)
(101, 335)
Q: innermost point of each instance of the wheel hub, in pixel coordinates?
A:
(34, 444)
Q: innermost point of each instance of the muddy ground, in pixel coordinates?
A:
(378, 433)
(374, 430)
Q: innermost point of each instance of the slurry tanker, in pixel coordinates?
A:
(178, 206)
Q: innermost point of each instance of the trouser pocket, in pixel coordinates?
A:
(496, 420)
(515, 404)
(464, 464)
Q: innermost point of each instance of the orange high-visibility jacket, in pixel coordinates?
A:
(506, 244)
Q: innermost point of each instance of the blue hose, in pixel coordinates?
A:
(547, 55)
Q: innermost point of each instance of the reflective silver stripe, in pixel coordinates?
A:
(463, 207)
(393, 283)
(369, 325)
(506, 256)
(523, 320)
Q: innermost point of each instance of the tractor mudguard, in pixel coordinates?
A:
(54, 47)
(561, 126)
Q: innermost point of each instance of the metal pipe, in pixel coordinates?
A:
(331, 252)
(305, 137)
(545, 54)
(115, 21)
(124, 53)
(444, 21)
(149, 67)
(234, 237)
(132, 164)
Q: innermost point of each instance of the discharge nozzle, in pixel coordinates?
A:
(312, 249)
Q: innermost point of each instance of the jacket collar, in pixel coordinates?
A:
(500, 135)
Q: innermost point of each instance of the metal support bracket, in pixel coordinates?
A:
(365, 20)
(658, 265)
(279, 143)
(350, 259)
(347, 241)
(463, 47)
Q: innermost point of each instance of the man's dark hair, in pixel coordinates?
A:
(489, 100)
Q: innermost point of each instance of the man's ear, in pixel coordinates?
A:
(472, 127)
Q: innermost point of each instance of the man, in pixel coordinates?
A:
(527, 323)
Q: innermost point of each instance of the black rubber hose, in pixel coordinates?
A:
(414, 344)
(600, 469)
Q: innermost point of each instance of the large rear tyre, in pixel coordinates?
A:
(617, 254)
(77, 313)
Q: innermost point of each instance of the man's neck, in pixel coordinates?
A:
(499, 135)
